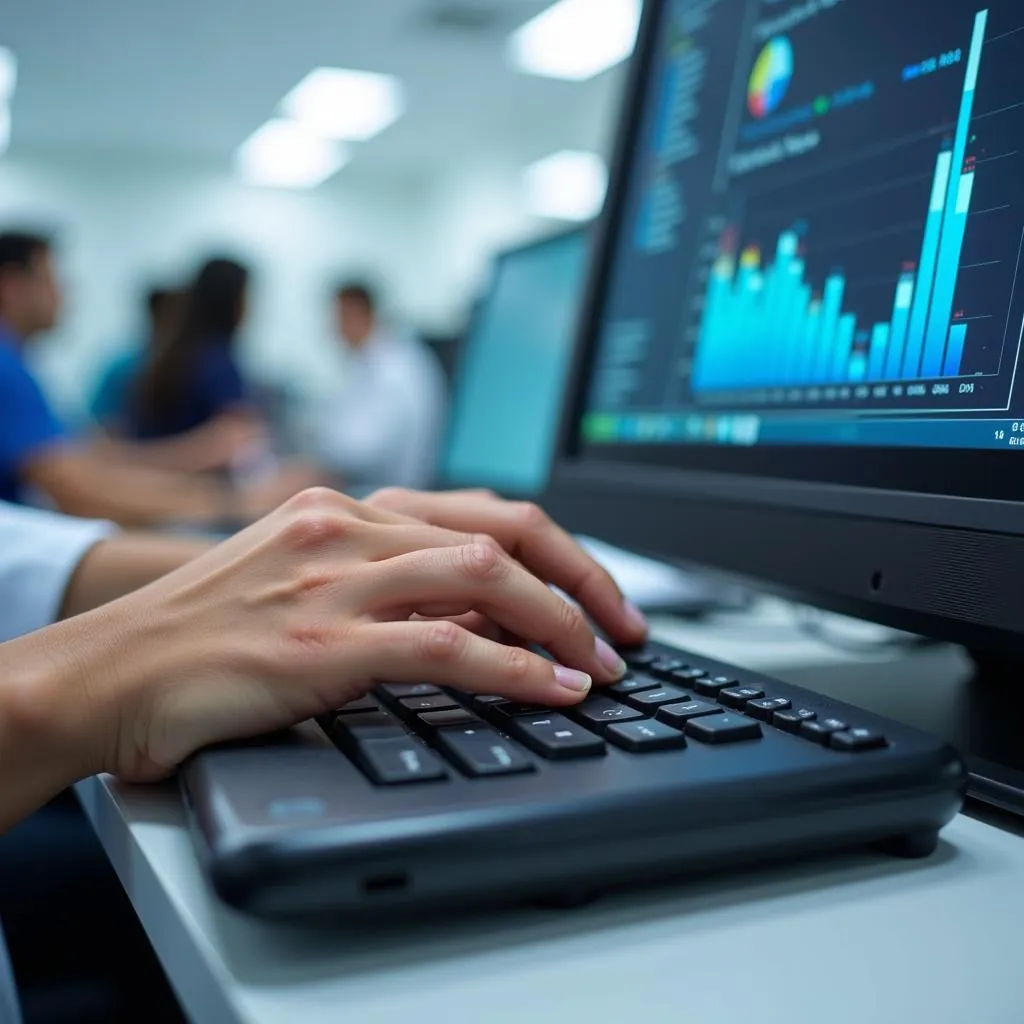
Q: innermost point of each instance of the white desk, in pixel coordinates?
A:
(860, 939)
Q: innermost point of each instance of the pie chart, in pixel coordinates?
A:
(771, 76)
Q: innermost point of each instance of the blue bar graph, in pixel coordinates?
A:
(945, 278)
(858, 370)
(955, 352)
(926, 268)
(831, 306)
(956, 207)
(878, 350)
(900, 322)
(765, 325)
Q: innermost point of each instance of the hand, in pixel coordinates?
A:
(526, 532)
(305, 611)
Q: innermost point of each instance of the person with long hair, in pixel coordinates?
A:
(191, 383)
(114, 391)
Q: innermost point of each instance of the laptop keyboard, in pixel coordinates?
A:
(403, 734)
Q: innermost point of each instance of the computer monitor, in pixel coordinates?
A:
(799, 358)
(512, 371)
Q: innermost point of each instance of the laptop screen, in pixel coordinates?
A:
(508, 388)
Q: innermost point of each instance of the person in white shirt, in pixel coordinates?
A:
(386, 426)
(169, 644)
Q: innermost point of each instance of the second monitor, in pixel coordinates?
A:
(509, 381)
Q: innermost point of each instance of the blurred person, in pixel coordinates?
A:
(385, 427)
(111, 403)
(38, 456)
(191, 394)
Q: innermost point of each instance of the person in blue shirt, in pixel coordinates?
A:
(132, 484)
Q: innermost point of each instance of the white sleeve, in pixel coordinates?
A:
(39, 552)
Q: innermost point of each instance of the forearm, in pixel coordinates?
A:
(122, 564)
(45, 742)
(200, 450)
(84, 484)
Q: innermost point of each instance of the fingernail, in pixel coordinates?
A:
(634, 616)
(578, 682)
(610, 659)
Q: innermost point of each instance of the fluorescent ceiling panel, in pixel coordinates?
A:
(286, 154)
(569, 185)
(350, 106)
(576, 39)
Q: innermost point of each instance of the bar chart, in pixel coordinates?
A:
(765, 324)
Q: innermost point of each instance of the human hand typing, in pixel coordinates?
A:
(309, 607)
(528, 535)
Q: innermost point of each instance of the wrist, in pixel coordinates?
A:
(47, 733)
(86, 690)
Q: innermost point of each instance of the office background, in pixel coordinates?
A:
(127, 151)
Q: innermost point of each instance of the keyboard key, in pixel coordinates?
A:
(598, 712)
(400, 690)
(554, 736)
(638, 659)
(448, 718)
(645, 736)
(737, 696)
(513, 709)
(647, 700)
(688, 674)
(791, 721)
(354, 707)
(766, 707)
(820, 731)
(440, 702)
(350, 729)
(633, 683)
(857, 739)
(482, 752)
(488, 701)
(713, 685)
(664, 667)
(392, 762)
(679, 714)
(723, 728)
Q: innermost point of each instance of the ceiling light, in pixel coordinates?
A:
(568, 185)
(8, 74)
(348, 105)
(576, 39)
(5, 127)
(285, 154)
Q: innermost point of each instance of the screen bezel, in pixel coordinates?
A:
(877, 481)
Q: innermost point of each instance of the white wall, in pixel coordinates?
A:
(125, 225)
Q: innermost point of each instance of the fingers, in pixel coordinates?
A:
(529, 535)
(446, 654)
(474, 622)
(385, 542)
(452, 581)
